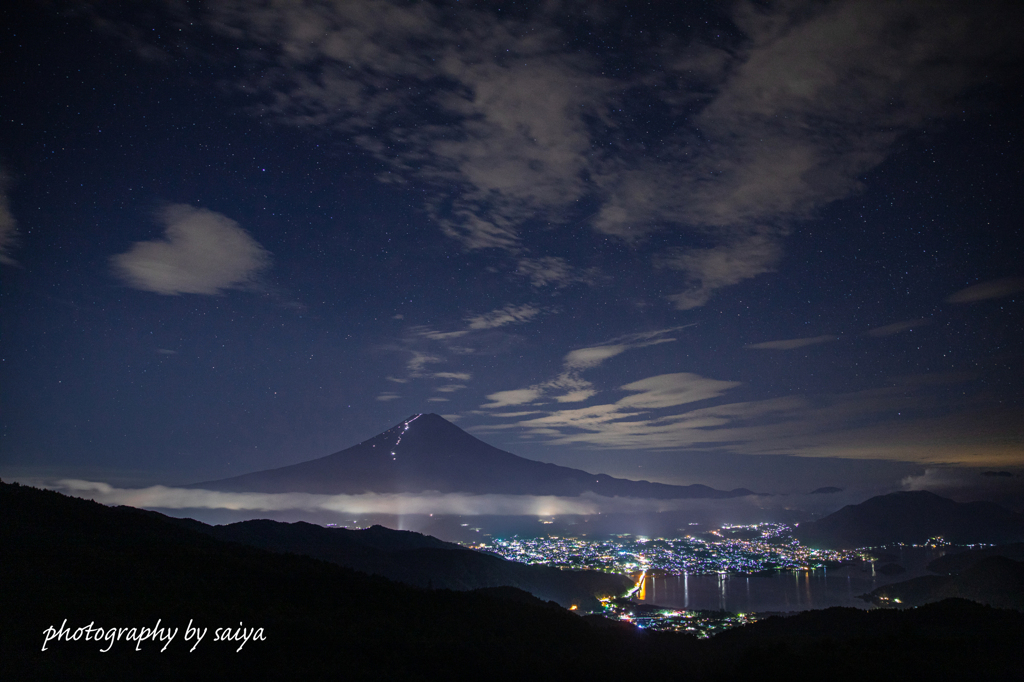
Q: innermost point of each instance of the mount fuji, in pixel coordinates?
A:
(427, 453)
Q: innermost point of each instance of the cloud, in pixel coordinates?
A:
(995, 288)
(503, 316)
(568, 386)
(507, 123)
(463, 504)
(442, 346)
(713, 268)
(515, 397)
(494, 319)
(625, 423)
(418, 362)
(202, 252)
(904, 422)
(553, 271)
(970, 484)
(450, 388)
(671, 390)
(436, 335)
(437, 400)
(897, 327)
(817, 95)
(584, 358)
(455, 376)
(384, 397)
(8, 225)
(790, 344)
(495, 118)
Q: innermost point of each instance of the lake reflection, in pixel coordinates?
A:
(787, 591)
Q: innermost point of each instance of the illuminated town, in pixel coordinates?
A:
(731, 549)
(701, 624)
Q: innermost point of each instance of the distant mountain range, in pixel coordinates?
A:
(427, 453)
(912, 518)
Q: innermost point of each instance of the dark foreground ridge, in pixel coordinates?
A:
(912, 518)
(421, 560)
(427, 453)
(66, 558)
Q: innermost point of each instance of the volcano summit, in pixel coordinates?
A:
(427, 453)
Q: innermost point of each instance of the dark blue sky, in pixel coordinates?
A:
(773, 245)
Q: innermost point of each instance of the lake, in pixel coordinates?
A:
(785, 591)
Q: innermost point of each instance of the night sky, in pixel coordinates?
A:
(773, 245)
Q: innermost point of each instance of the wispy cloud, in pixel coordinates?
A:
(585, 358)
(426, 346)
(201, 252)
(553, 271)
(8, 225)
(507, 122)
(435, 335)
(995, 288)
(901, 422)
(708, 270)
(499, 317)
(418, 362)
(790, 344)
(384, 397)
(569, 386)
(455, 376)
(519, 396)
(510, 314)
(897, 327)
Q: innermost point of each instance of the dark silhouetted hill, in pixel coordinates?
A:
(427, 453)
(912, 518)
(421, 560)
(66, 558)
(995, 580)
(953, 564)
(883, 644)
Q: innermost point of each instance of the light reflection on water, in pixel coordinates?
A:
(786, 591)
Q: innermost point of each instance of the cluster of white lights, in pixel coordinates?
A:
(405, 427)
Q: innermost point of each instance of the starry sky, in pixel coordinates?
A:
(775, 245)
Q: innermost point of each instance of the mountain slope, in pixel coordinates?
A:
(912, 517)
(953, 564)
(428, 453)
(995, 580)
(421, 560)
